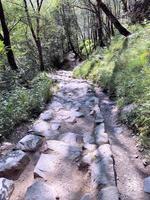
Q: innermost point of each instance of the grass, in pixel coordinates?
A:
(123, 70)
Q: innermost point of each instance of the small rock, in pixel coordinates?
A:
(109, 193)
(6, 188)
(145, 163)
(101, 136)
(86, 197)
(29, 143)
(47, 115)
(55, 126)
(71, 120)
(136, 156)
(39, 191)
(90, 147)
(77, 114)
(12, 162)
(42, 128)
(88, 138)
(147, 184)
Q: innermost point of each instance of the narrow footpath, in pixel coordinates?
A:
(74, 151)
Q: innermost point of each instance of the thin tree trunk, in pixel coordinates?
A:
(6, 40)
(113, 19)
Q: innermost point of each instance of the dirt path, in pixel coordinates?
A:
(128, 160)
(75, 162)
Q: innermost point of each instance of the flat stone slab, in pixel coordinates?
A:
(46, 165)
(104, 151)
(72, 138)
(39, 191)
(12, 162)
(109, 193)
(147, 184)
(6, 188)
(101, 136)
(102, 173)
(41, 127)
(66, 150)
(29, 143)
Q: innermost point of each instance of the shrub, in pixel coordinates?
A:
(20, 102)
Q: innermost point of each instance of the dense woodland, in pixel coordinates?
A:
(37, 35)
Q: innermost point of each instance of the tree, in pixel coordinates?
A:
(113, 19)
(35, 33)
(6, 39)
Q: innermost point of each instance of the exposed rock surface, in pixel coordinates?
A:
(12, 162)
(109, 193)
(29, 143)
(39, 191)
(64, 149)
(6, 188)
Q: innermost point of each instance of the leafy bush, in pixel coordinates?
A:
(20, 102)
(124, 71)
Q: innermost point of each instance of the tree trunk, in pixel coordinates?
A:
(113, 19)
(41, 62)
(6, 40)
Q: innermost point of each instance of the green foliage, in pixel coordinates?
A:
(18, 104)
(124, 71)
(86, 47)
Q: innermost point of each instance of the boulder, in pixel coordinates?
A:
(12, 162)
(104, 151)
(147, 184)
(6, 188)
(29, 143)
(39, 191)
(109, 193)
(65, 150)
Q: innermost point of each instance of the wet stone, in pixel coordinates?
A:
(6, 188)
(109, 193)
(29, 143)
(39, 191)
(12, 162)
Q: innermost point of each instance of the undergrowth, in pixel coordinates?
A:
(123, 70)
(18, 103)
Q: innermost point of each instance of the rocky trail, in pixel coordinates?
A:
(74, 151)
